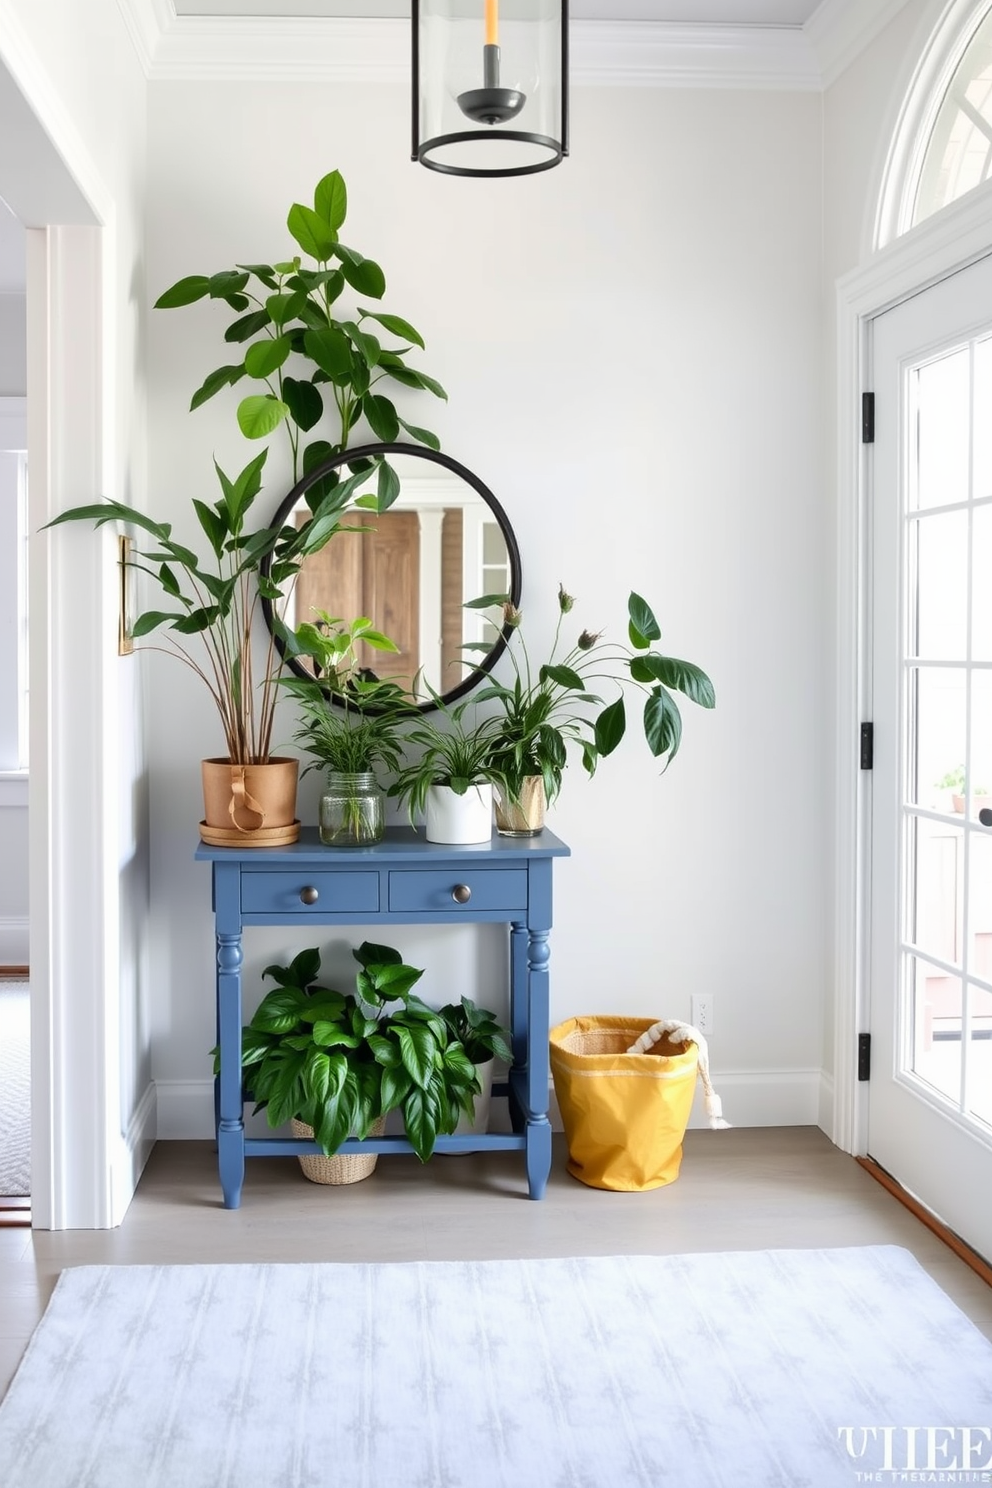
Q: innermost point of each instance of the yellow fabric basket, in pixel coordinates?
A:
(624, 1113)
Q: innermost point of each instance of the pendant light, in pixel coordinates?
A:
(490, 85)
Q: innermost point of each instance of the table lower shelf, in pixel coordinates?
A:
(470, 1142)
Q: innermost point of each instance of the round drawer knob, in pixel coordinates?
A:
(309, 895)
(461, 893)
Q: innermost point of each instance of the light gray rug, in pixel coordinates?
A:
(775, 1369)
(15, 1089)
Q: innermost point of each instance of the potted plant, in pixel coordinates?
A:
(484, 1040)
(314, 366)
(955, 781)
(549, 709)
(350, 723)
(451, 782)
(337, 1063)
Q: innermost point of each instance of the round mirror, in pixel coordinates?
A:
(442, 541)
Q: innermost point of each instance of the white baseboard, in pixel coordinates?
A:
(14, 941)
(825, 1119)
(750, 1098)
(131, 1152)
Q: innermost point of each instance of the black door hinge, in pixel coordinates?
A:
(864, 1056)
(867, 746)
(867, 418)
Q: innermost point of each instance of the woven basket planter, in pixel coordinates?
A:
(348, 1167)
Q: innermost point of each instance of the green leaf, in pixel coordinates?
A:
(368, 346)
(611, 725)
(330, 350)
(263, 357)
(662, 724)
(564, 676)
(369, 954)
(395, 324)
(420, 1124)
(258, 416)
(417, 1049)
(248, 326)
(486, 602)
(225, 285)
(361, 273)
(396, 1086)
(311, 232)
(681, 675)
(213, 525)
(150, 621)
(303, 401)
(643, 627)
(381, 415)
(214, 382)
(264, 272)
(283, 307)
(330, 199)
(388, 487)
(423, 436)
(185, 292)
(279, 1011)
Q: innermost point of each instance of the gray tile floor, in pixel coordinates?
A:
(745, 1189)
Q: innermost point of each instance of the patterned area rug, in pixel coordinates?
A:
(774, 1369)
(15, 1089)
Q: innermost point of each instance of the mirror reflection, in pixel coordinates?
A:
(443, 541)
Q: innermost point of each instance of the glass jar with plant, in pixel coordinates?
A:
(550, 708)
(451, 782)
(340, 1061)
(350, 723)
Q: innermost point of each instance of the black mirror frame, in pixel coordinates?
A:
(422, 452)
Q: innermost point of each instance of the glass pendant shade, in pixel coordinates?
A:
(490, 85)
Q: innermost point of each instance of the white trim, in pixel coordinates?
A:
(840, 30)
(33, 81)
(955, 237)
(750, 1098)
(940, 42)
(14, 941)
(603, 53)
(131, 1151)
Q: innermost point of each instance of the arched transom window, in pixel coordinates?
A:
(958, 154)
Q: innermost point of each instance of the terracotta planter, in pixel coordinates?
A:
(459, 819)
(523, 816)
(249, 805)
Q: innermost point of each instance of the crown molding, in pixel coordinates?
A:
(603, 53)
(840, 30)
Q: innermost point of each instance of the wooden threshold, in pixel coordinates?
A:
(18, 973)
(15, 1213)
(961, 1249)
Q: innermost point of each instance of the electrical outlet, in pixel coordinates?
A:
(702, 1012)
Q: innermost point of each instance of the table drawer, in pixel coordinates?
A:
(488, 889)
(306, 892)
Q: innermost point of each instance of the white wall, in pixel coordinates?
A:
(632, 347)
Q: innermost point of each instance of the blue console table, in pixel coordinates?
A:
(403, 880)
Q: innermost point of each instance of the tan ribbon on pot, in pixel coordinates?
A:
(242, 801)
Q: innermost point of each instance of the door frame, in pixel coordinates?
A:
(951, 240)
(77, 1178)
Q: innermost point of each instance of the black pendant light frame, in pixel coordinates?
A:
(558, 148)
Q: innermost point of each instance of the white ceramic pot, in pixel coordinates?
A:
(459, 819)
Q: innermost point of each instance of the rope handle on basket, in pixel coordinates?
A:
(684, 1033)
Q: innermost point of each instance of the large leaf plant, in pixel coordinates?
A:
(322, 369)
(339, 1060)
